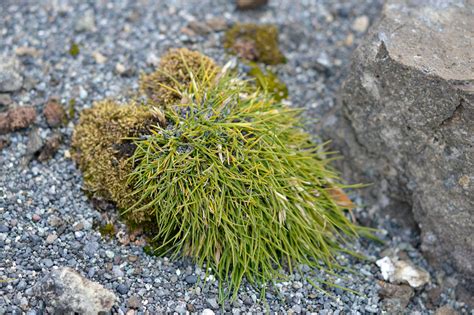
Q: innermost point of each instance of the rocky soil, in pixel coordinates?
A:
(76, 52)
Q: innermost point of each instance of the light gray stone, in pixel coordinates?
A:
(405, 122)
(5, 100)
(213, 303)
(86, 23)
(11, 79)
(66, 291)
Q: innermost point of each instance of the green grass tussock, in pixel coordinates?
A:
(224, 172)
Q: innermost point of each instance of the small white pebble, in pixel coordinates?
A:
(361, 24)
(297, 285)
(82, 93)
(109, 254)
(51, 238)
(98, 57)
(120, 68)
(152, 59)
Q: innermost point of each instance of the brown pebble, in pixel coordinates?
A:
(17, 118)
(188, 32)
(134, 302)
(50, 147)
(446, 310)
(117, 260)
(349, 40)
(137, 271)
(78, 226)
(132, 258)
(4, 142)
(54, 113)
(190, 307)
(401, 294)
(199, 27)
(36, 217)
(434, 296)
(51, 238)
(250, 4)
(217, 24)
(5, 100)
(54, 221)
(27, 51)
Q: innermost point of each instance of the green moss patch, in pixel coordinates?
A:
(254, 42)
(107, 230)
(268, 81)
(102, 150)
(74, 49)
(177, 69)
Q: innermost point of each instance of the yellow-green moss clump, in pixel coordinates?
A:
(254, 42)
(107, 230)
(74, 50)
(165, 85)
(268, 81)
(102, 150)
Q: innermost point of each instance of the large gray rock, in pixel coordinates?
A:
(405, 122)
(66, 291)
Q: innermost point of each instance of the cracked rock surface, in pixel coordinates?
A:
(405, 122)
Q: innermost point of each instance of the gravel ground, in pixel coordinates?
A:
(47, 221)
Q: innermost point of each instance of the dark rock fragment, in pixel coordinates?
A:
(395, 297)
(50, 147)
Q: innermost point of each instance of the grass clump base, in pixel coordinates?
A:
(223, 173)
(254, 42)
